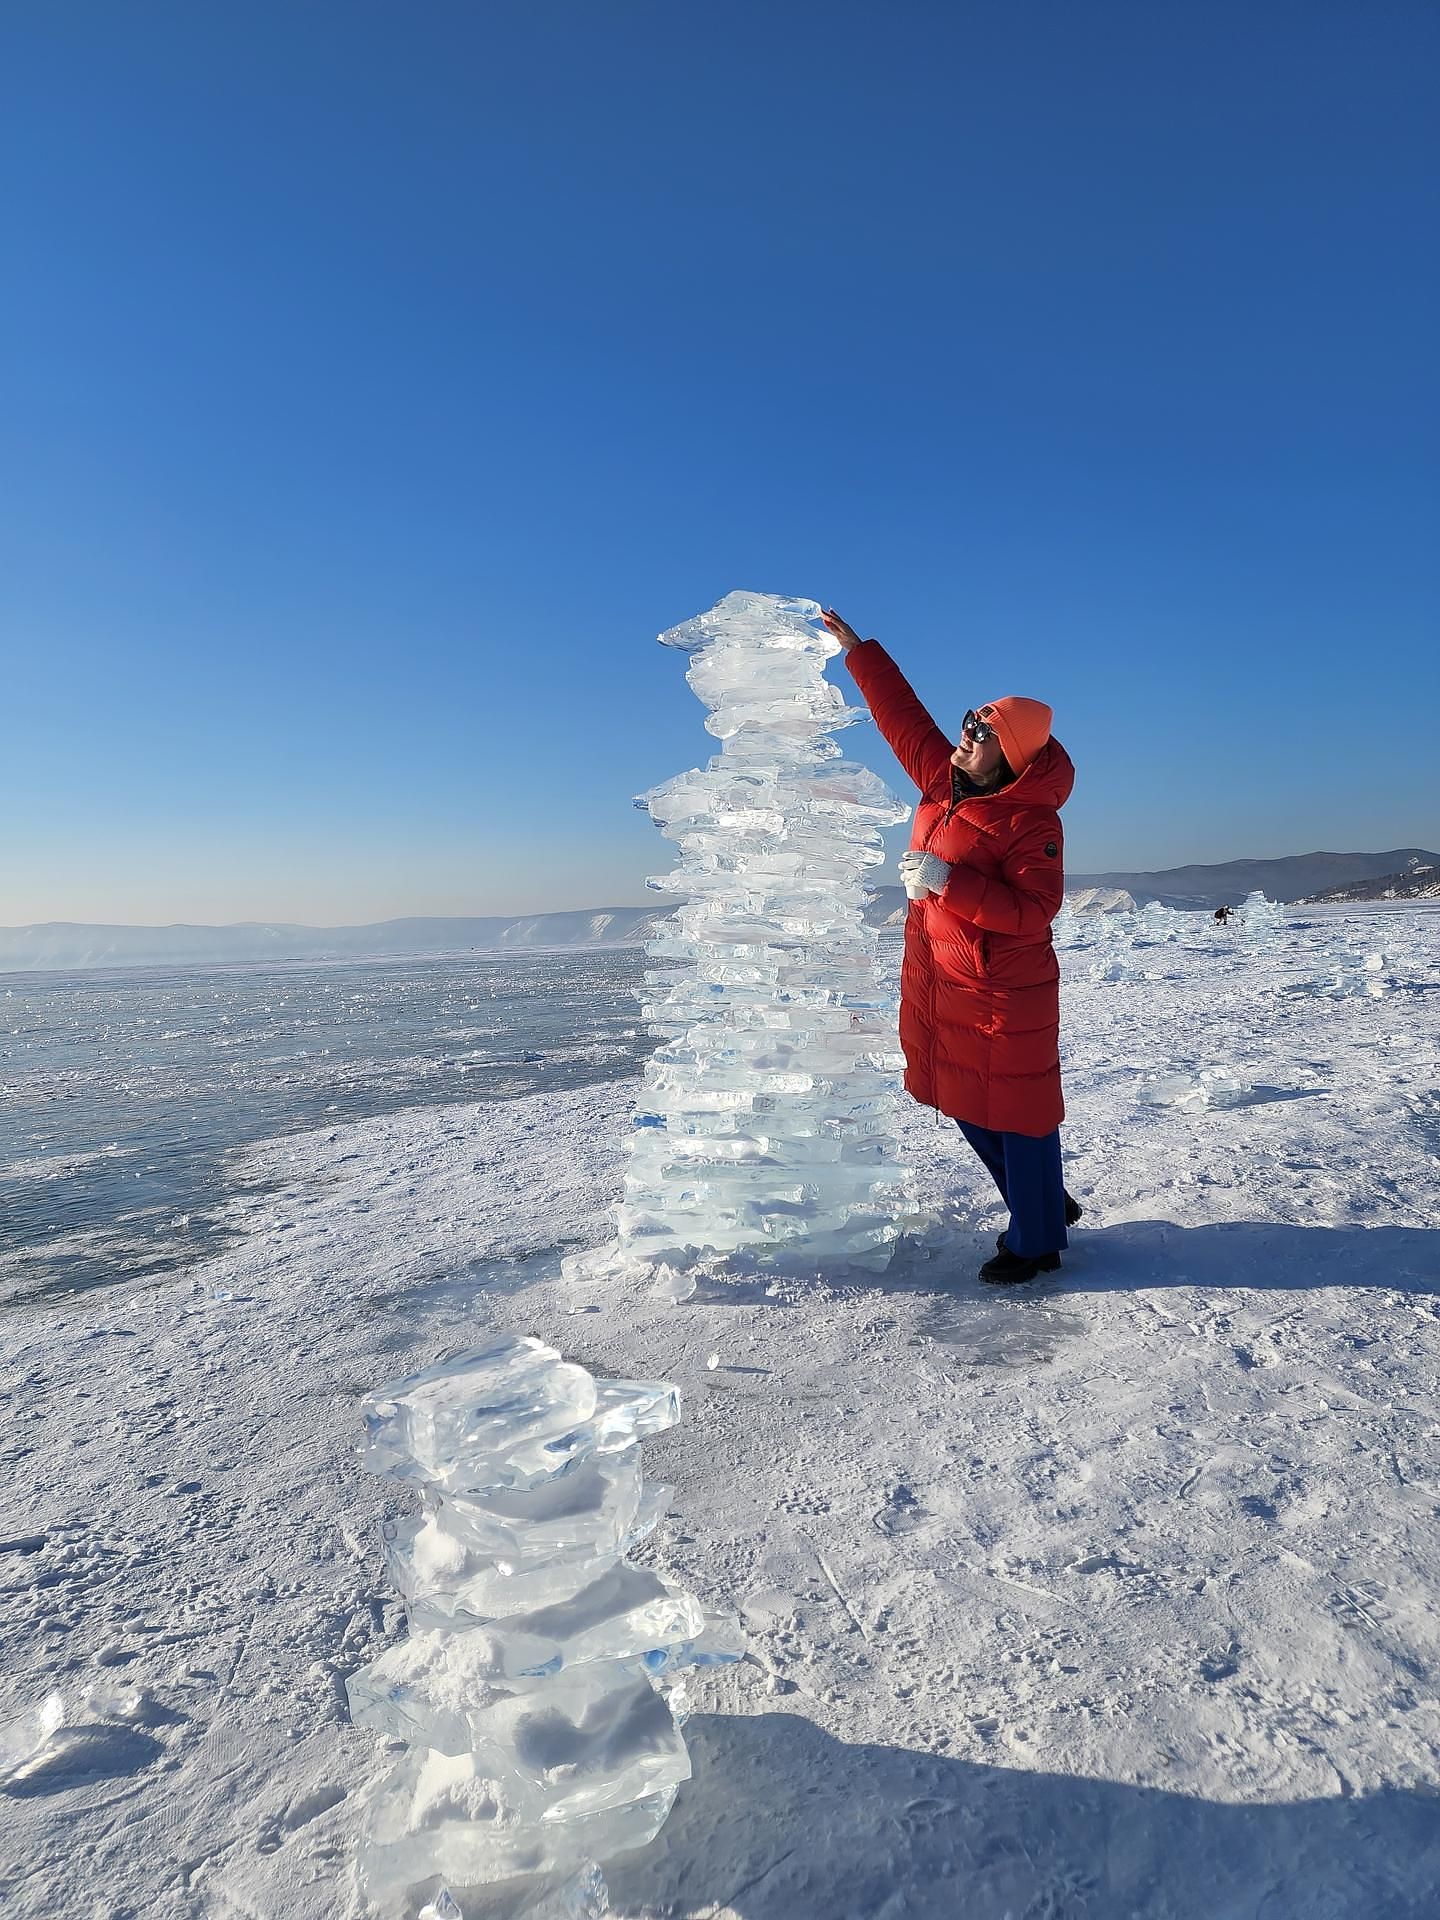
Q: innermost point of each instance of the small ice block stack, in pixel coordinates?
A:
(528, 1688)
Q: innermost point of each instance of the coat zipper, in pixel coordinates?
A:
(956, 797)
(957, 800)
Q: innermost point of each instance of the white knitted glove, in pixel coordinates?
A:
(922, 873)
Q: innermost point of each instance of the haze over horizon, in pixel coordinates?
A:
(380, 384)
(656, 902)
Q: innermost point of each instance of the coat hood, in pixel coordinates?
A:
(1046, 782)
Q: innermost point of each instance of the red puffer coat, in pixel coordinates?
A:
(980, 986)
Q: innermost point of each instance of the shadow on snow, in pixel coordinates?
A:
(784, 1822)
(1134, 1254)
(1250, 1253)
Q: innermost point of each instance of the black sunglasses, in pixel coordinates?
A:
(979, 730)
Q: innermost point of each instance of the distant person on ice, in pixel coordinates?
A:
(980, 985)
(1222, 914)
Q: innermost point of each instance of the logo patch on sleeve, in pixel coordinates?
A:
(1051, 849)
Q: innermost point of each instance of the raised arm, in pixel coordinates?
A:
(913, 737)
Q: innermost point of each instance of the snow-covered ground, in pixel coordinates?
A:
(1119, 1597)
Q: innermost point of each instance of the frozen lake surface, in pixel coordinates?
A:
(121, 1092)
(1113, 1598)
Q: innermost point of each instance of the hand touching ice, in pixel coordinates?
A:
(841, 629)
(922, 873)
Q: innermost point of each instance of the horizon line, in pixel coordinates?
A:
(399, 919)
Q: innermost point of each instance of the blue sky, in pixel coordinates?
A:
(378, 380)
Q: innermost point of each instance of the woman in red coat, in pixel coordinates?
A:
(980, 986)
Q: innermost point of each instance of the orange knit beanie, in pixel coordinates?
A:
(1023, 727)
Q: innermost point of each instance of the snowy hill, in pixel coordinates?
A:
(1100, 900)
(67, 945)
(1419, 881)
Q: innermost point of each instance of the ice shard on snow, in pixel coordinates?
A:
(767, 1121)
(528, 1689)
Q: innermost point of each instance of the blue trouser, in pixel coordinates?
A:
(1027, 1172)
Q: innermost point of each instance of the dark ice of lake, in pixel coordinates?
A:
(122, 1092)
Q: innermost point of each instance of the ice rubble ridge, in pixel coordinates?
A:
(1114, 937)
(768, 1117)
(1336, 959)
(527, 1688)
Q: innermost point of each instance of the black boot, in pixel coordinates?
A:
(1006, 1268)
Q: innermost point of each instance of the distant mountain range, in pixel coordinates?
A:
(1298, 876)
(60, 945)
(1419, 881)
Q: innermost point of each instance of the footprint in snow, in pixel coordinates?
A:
(798, 1500)
(902, 1512)
(1221, 1666)
(278, 1827)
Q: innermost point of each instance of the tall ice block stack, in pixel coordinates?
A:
(767, 1120)
(539, 1740)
